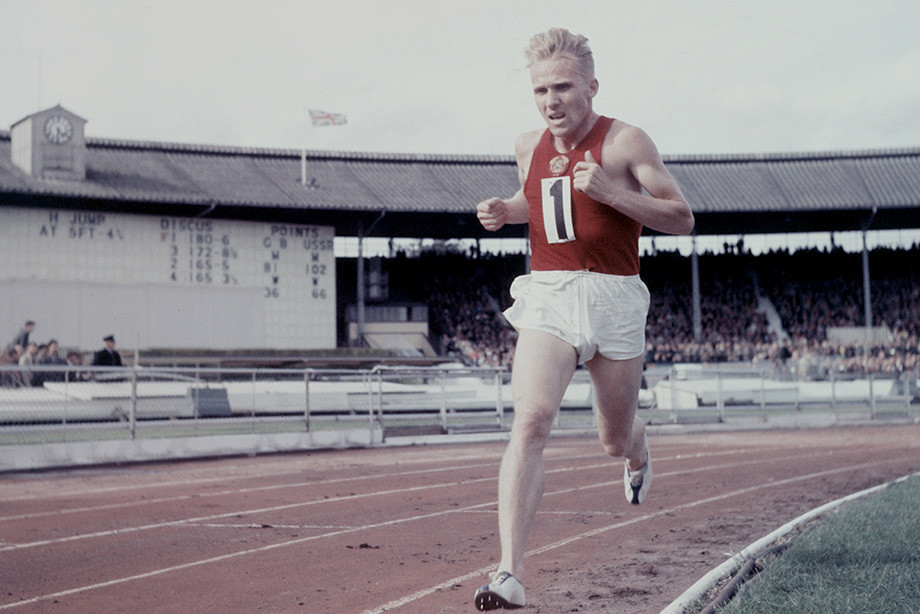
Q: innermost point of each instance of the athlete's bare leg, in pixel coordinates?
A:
(543, 367)
(616, 393)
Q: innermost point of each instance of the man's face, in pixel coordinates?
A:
(563, 95)
(110, 344)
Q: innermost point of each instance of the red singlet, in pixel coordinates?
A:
(606, 241)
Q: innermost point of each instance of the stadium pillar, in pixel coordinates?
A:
(867, 290)
(697, 307)
(359, 341)
(867, 286)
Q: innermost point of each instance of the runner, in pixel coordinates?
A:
(582, 181)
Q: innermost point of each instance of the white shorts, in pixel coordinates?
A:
(593, 312)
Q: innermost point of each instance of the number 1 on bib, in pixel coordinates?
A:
(557, 209)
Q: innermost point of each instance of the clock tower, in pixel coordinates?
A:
(50, 145)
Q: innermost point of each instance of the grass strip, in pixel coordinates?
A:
(864, 559)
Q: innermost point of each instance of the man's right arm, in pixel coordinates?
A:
(493, 213)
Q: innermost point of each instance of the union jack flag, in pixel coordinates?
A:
(322, 118)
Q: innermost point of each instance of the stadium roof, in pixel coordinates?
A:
(434, 195)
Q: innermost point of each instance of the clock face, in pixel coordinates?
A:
(58, 129)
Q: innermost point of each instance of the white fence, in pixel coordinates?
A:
(687, 391)
(272, 409)
(67, 402)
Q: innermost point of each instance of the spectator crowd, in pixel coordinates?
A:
(811, 290)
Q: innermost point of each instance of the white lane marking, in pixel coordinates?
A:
(218, 525)
(234, 491)
(128, 486)
(393, 522)
(224, 557)
(186, 521)
(396, 603)
(238, 491)
(191, 521)
(80, 492)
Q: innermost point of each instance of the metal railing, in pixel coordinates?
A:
(67, 404)
(78, 403)
(724, 391)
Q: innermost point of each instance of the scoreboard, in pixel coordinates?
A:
(168, 282)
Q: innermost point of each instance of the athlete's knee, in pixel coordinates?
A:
(532, 426)
(615, 444)
(629, 442)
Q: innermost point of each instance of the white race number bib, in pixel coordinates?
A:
(557, 209)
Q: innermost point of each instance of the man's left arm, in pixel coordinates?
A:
(664, 208)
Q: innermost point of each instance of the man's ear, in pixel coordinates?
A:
(593, 87)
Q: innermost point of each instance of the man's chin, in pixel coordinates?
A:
(558, 128)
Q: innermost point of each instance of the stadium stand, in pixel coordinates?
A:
(812, 291)
(778, 307)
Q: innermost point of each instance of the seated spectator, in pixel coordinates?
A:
(52, 358)
(26, 362)
(10, 379)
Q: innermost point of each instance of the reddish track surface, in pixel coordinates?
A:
(414, 529)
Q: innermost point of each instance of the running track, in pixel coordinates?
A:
(414, 529)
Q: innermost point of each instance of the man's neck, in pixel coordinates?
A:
(568, 143)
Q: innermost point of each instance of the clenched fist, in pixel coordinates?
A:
(492, 213)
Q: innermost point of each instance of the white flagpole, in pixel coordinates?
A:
(322, 118)
(303, 167)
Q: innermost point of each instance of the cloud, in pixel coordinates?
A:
(427, 77)
(878, 105)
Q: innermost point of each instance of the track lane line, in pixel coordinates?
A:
(222, 493)
(276, 508)
(172, 484)
(393, 522)
(252, 489)
(617, 525)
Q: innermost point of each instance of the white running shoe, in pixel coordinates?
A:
(639, 481)
(504, 592)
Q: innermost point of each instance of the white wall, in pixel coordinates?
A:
(166, 282)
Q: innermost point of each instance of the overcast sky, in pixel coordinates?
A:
(432, 76)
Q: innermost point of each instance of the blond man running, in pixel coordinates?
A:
(589, 184)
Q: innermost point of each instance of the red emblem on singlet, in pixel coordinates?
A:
(558, 165)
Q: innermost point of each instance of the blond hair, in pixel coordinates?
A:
(559, 41)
